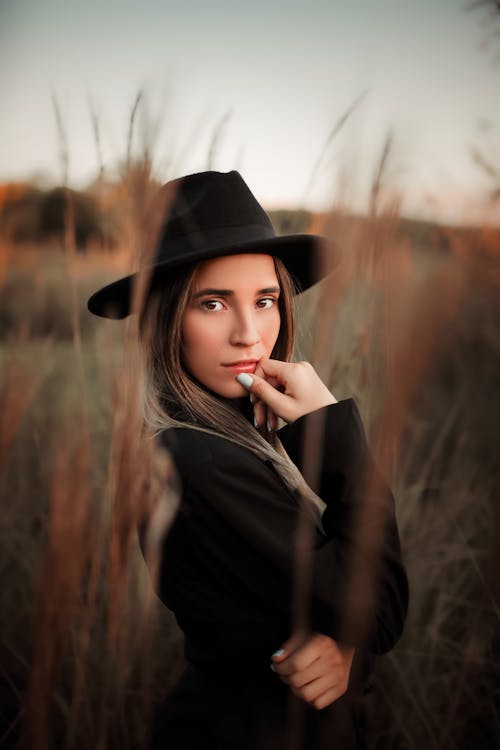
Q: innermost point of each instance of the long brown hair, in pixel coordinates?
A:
(173, 398)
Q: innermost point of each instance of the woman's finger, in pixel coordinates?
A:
(290, 389)
(260, 409)
(299, 655)
(317, 696)
(282, 405)
(273, 368)
(329, 697)
(316, 687)
(259, 413)
(271, 421)
(264, 416)
(259, 371)
(297, 679)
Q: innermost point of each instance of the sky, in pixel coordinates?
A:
(274, 78)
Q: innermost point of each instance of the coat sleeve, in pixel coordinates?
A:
(248, 499)
(361, 512)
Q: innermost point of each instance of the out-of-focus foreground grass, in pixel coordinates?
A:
(407, 326)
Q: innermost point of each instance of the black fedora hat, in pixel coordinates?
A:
(212, 214)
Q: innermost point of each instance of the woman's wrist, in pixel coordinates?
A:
(328, 400)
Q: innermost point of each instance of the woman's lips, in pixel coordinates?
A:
(242, 367)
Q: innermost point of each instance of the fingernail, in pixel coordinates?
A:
(255, 422)
(279, 652)
(268, 426)
(273, 667)
(251, 398)
(244, 379)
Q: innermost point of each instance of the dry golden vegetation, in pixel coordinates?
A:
(407, 324)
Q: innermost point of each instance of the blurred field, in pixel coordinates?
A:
(409, 327)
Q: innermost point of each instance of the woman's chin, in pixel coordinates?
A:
(227, 390)
(234, 391)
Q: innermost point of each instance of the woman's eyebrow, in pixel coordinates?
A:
(229, 292)
(215, 292)
(269, 290)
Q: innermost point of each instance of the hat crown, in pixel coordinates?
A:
(207, 201)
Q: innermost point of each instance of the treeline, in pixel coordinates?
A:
(96, 217)
(30, 214)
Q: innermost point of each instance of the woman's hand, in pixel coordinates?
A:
(317, 671)
(284, 389)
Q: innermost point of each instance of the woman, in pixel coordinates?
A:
(217, 329)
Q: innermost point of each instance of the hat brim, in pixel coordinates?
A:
(301, 254)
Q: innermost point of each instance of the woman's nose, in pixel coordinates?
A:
(245, 331)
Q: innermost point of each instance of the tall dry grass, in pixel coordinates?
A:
(79, 651)
(410, 332)
(425, 367)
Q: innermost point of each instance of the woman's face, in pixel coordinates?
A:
(231, 321)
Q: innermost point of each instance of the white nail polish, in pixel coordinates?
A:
(255, 422)
(279, 652)
(244, 379)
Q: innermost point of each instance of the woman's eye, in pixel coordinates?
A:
(213, 305)
(266, 302)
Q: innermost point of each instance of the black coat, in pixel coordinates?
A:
(226, 573)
